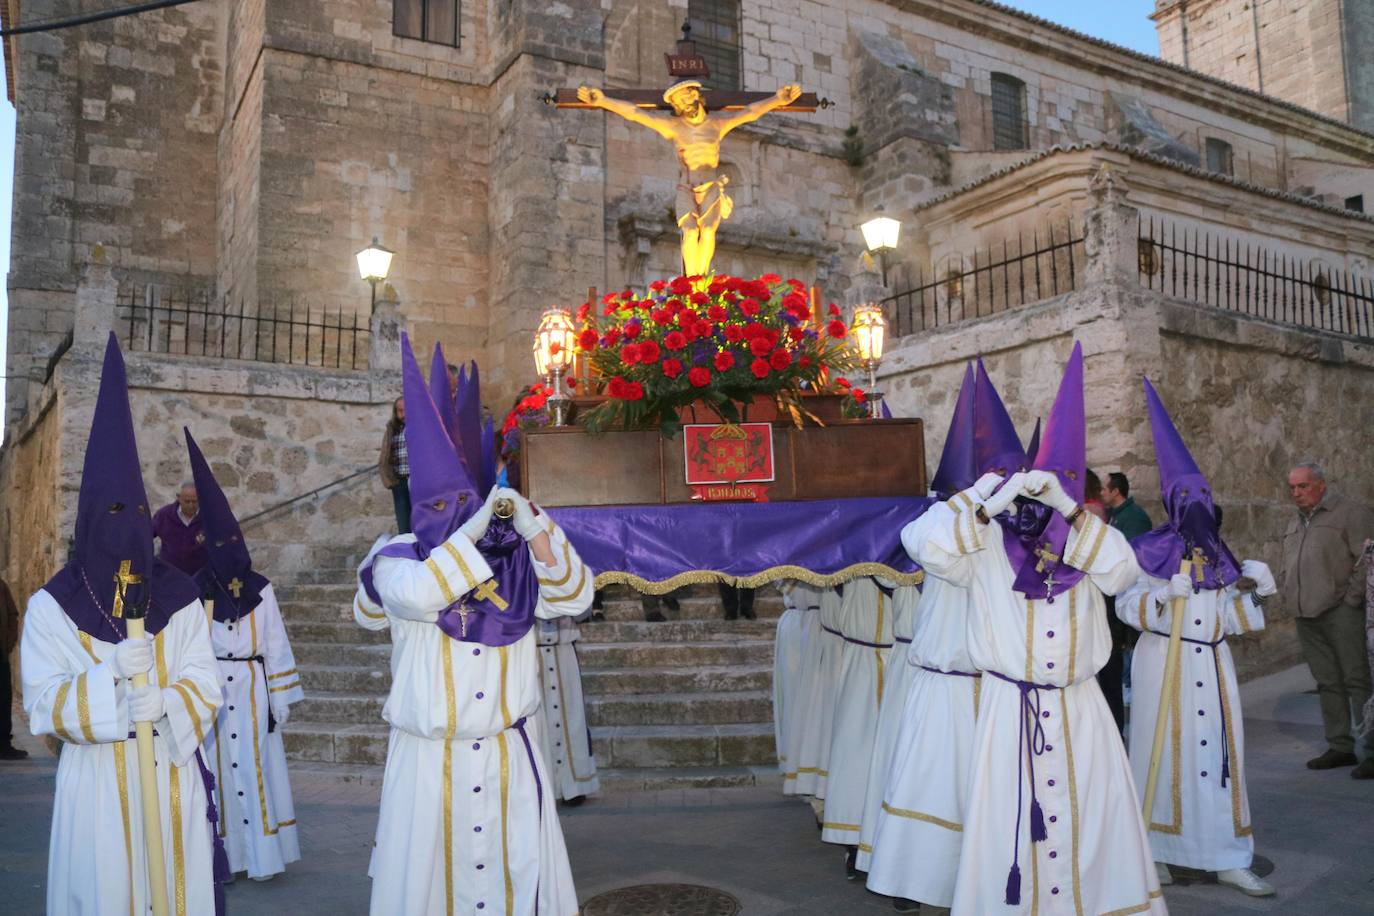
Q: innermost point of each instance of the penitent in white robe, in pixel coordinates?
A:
(809, 759)
(799, 628)
(866, 624)
(898, 674)
(257, 820)
(1197, 822)
(921, 818)
(96, 858)
(1096, 858)
(468, 821)
(567, 744)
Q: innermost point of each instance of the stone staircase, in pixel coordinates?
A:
(686, 702)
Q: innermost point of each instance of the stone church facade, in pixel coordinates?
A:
(236, 155)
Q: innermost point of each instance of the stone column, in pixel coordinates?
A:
(384, 345)
(1111, 229)
(96, 295)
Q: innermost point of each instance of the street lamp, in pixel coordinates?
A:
(869, 328)
(554, 345)
(374, 262)
(880, 237)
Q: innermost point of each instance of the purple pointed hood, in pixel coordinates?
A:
(228, 578)
(443, 494)
(996, 446)
(1191, 525)
(114, 525)
(1034, 445)
(1036, 530)
(440, 392)
(468, 437)
(958, 470)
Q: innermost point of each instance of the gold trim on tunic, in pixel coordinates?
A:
(58, 703)
(567, 574)
(178, 852)
(505, 817)
(83, 708)
(1073, 799)
(267, 830)
(462, 564)
(450, 727)
(919, 816)
(122, 777)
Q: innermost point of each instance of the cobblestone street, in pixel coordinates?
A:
(763, 848)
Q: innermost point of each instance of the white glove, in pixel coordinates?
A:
(145, 704)
(476, 526)
(986, 484)
(281, 713)
(1260, 572)
(1044, 487)
(1178, 586)
(997, 503)
(524, 521)
(132, 656)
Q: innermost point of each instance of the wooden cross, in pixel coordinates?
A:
(487, 592)
(123, 579)
(1198, 560)
(235, 586)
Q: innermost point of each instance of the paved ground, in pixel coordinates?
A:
(753, 843)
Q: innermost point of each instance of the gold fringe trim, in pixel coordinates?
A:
(772, 574)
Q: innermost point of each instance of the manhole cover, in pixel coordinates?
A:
(662, 900)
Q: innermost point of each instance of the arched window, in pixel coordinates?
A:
(426, 20)
(1008, 112)
(715, 29)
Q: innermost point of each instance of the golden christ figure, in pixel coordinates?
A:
(701, 200)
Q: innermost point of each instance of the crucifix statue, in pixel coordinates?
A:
(695, 119)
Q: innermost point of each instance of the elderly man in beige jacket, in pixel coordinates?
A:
(1323, 583)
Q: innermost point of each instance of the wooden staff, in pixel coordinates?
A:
(147, 772)
(1166, 698)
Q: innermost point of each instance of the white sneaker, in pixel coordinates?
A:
(263, 877)
(1245, 881)
(1166, 877)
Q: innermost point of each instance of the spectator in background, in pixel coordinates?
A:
(394, 465)
(1092, 495)
(1122, 512)
(1323, 584)
(178, 529)
(1125, 516)
(9, 636)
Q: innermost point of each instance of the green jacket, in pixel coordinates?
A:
(1129, 519)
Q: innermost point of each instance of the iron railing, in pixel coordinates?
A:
(1001, 277)
(156, 319)
(1245, 277)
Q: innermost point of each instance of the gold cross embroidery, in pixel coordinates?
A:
(123, 579)
(235, 586)
(1198, 561)
(487, 592)
(1044, 555)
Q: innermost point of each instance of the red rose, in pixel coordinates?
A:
(634, 391)
(583, 310)
(629, 354)
(835, 310)
(717, 313)
(680, 286)
(760, 368)
(841, 383)
(734, 333)
(570, 381)
(700, 298)
(675, 340)
(749, 307)
(772, 335)
(796, 334)
(672, 367)
(661, 316)
(631, 330)
(699, 376)
(627, 295)
(836, 328)
(780, 359)
(718, 286)
(724, 361)
(587, 339)
(804, 362)
(704, 328)
(731, 298)
(609, 309)
(612, 337)
(609, 297)
(616, 388)
(760, 346)
(858, 395)
(649, 351)
(658, 286)
(796, 284)
(754, 329)
(793, 299)
(769, 278)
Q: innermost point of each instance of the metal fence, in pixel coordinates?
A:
(1001, 277)
(156, 319)
(1244, 277)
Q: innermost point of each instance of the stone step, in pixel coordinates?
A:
(299, 593)
(324, 653)
(364, 679)
(334, 742)
(599, 656)
(614, 781)
(695, 679)
(348, 708)
(767, 606)
(620, 746)
(681, 708)
(343, 633)
(320, 611)
(677, 631)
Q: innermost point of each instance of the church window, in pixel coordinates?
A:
(427, 20)
(716, 31)
(1355, 203)
(1008, 112)
(1219, 157)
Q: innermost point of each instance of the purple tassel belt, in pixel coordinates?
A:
(1221, 701)
(952, 673)
(858, 642)
(1029, 736)
(222, 875)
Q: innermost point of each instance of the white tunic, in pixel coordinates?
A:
(1197, 822)
(257, 820)
(468, 820)
(567, 744)
(898, 675)
(1096, 858)
(866, 624)
(808, 773)
(798, 627)
(96, 855)
(920, 822)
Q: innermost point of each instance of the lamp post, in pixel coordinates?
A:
(869, 327)
(554, 344)
(374, 262)
(880, 237)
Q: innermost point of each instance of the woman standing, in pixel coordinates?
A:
(394, 465)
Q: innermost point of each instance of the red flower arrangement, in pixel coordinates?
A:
(722, 340)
